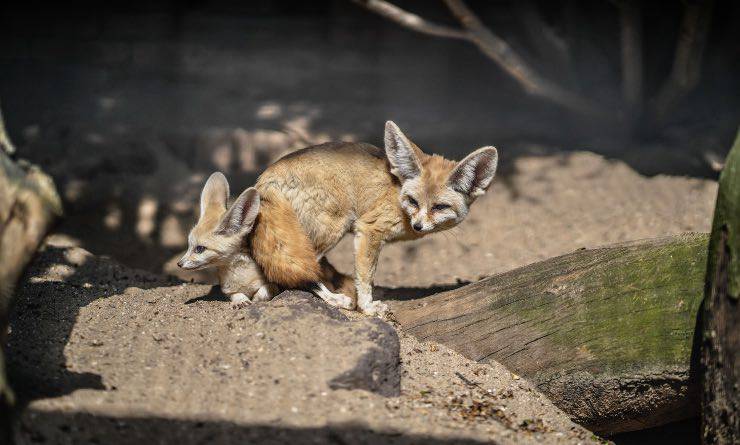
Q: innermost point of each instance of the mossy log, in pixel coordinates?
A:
(29, 204)
(721, 327)
(606, 333)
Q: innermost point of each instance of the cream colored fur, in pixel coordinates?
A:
(219, 240)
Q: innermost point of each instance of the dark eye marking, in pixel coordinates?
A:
(440, 207)
(413, 202)
(199, 249)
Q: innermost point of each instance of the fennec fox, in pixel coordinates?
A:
(335, 188)
(219, 240)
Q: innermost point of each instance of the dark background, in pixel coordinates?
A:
(176, 69)
(129, 106)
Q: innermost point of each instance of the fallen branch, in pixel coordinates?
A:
(606, 333)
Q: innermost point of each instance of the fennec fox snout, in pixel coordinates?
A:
(380, 196)
(219, 240)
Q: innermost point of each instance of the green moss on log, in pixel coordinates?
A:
(595, 329)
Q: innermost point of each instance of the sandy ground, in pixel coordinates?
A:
(101, 353)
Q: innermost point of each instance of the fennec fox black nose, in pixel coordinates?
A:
(418, 227)
(179, 263)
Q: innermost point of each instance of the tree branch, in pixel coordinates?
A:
(548, 44)
(686, 69)
(411, 21)
(492, 46)
(501, 52)
(631, 39)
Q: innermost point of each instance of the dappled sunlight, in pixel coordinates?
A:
(113, 217)
(134, 195)
(147, 212)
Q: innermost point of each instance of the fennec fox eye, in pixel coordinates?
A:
(199, 249)
(412, 201)
(440, 207)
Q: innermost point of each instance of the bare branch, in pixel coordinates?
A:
(548, 44)
(411, 21)
(687, 59)
(491, 45)
(630, 16)
(501, 52)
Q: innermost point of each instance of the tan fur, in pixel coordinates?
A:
(219, 238)
(331, 189)
(280, 246)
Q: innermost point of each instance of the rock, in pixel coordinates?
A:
(365, 352)
(101, 353)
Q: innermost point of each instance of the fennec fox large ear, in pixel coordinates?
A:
(215, 194)
(474, 174)
(240, 217)
(400, 152)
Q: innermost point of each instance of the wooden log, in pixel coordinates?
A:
(606, 333)
(29, 204)
(721, 327)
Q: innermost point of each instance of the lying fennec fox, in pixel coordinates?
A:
(219, 240)
(337, 188)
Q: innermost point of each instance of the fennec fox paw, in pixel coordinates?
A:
(375, 308)
(338, 300)
(239, 301)
(264, 293)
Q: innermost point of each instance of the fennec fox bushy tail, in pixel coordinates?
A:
(219, 240)
(336, 188)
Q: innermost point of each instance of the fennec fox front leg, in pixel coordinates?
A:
(367, 251)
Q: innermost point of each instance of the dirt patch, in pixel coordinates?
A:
(103, 353)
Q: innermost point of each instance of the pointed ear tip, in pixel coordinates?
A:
(391, 127)
(490, 148)
(217, 177)
(250, 192)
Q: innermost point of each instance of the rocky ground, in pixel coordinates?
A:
(101, 353)
(106, 353)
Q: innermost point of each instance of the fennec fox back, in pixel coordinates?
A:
(379, 196)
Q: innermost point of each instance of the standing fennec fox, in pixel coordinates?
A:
(219, 240)
(336, 188)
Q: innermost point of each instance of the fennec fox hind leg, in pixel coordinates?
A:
(340, 283)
